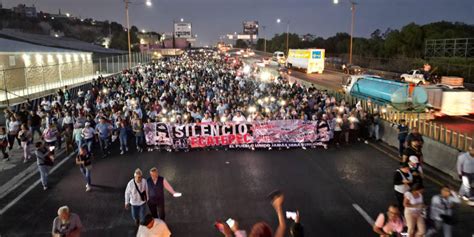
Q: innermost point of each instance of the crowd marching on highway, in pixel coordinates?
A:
(200, 87)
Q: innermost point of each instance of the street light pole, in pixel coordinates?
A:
(127, 2)
(127, 5)
(264, 40)
(353, 4)
(287, 36)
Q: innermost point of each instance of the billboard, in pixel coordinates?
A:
(182, 30)
(250, 27)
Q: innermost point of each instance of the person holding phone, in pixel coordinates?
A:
(66, 224)
(262, 229)
(84, 160)
(44, 160)
(155, 193)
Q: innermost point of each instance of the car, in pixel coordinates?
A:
(414, 76)
(353, 70)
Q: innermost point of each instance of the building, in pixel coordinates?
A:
(25, 11)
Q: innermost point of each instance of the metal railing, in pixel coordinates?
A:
(430, 129)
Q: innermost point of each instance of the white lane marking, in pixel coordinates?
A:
(19, 197)
(21, 178)
(364, 214)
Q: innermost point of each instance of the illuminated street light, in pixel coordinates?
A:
(353, 4)
(181, 19)
(143, 31)
(68, 15)
(127, 3)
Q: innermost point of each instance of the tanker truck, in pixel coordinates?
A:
(400, 95)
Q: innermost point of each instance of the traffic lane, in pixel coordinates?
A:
(322, 184)
(329, 79)
(211, 190)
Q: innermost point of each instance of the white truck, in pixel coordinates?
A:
(311, 60)
(414, 76)
(450, 97)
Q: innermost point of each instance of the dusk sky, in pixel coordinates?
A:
(211, 18)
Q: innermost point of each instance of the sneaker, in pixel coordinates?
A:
(253, 148)
(126, 148)
(287, 147)
(304, 148)
(270, 148)
(88, 188)
(121, 152)
(24, 161)
(465, 198)
(366, 142)
(45, 188)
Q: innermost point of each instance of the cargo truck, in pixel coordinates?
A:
(450, 98)
(310, 60)
(400, 95)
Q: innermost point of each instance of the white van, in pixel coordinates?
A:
(279, 57)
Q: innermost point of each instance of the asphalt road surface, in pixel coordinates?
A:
(324, 185)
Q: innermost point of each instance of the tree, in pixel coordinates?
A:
(240, 44)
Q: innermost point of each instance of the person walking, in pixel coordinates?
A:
(137, 127)
(45, 161)
(84, 160)
(402, 180)
(402, 136)
(88, 135)
(156, 197)
(25, 137)
(441, 212)
(123, 137)
(389, 223)
(465, 168)
(104, 130)
(66, 224)
(4, 143)
(136, 197)
(414, 211)
(152, 227)
(13, 130)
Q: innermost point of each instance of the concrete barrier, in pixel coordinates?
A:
(435, 154)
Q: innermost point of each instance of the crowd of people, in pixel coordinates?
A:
(410, 214)
(203, 87)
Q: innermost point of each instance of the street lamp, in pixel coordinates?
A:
(287, 32)
(353, 4)
(127, 4)
(264, 39)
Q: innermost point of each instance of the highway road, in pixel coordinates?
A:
(338, 191)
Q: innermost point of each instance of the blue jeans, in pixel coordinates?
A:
(34, 129)
(89, 143)
(87, 173)
(104, 144)
(138, 213)
(44, 171)
(139, 140)
(123, 142)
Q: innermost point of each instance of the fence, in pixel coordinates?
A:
(37, 78)
(437, 132)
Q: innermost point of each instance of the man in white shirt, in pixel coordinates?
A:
(88, 134)
(135, 196)
(238, 118)
(153, 227)
(441, 211)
